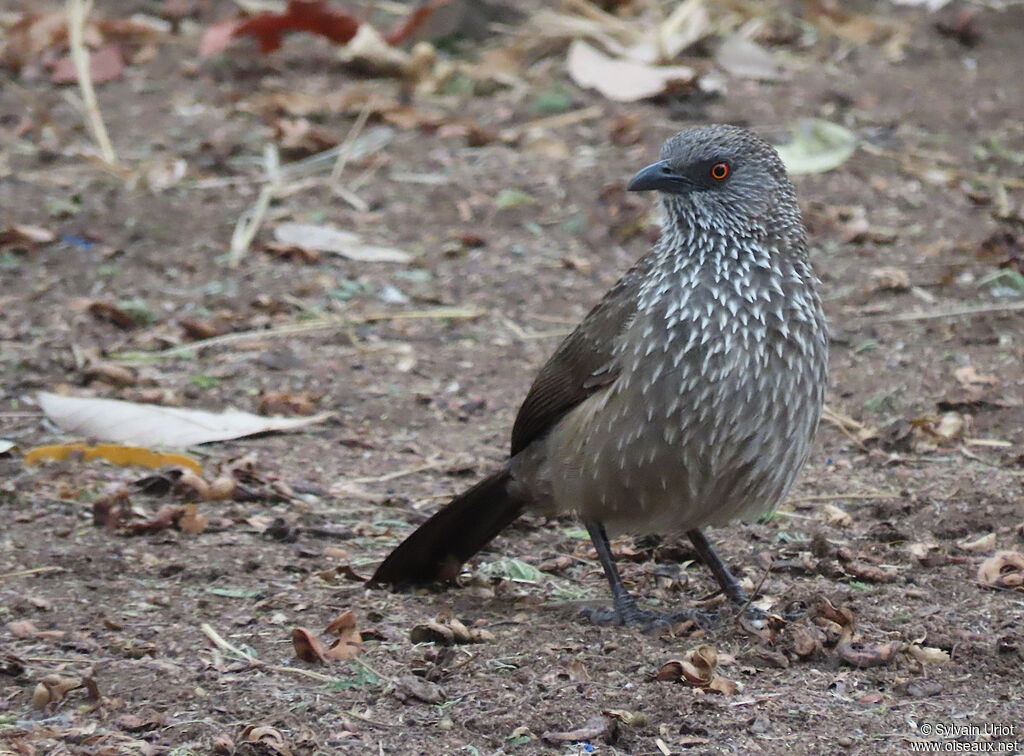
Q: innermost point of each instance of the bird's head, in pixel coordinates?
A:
(721, 176)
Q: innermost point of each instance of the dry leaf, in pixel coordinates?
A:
(724, 686)
(833, 515)
(114, 453)
(867, 654)
(22, 629)
(308, 647)
(892, 279)
(968, 377)
(312, 16)
(150, 424)
(17, 236)
(111, 314)
(986, 542)
(53, 688)
(746, 59)
(344, 243)
(408, 688)
(349, 642)
(268, 738)
(806, 639)
(697, 667)
(191, 521)
(928, 654)
(1005, 569)
(447, 632)
(624, 80)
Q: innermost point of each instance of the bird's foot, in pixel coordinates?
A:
(645, 619)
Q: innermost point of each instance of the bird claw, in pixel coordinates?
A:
(646, 620)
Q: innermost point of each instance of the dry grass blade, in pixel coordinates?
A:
(249, 223)
(78, 11)
(318, 324)
(33, 571)
(218, 640)
(345, 151)
(955, 312)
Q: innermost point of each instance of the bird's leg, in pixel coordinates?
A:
(626, 610)
(730, 585)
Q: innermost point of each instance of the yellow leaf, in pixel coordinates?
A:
(116, 453)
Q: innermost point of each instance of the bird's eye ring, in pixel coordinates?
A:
(719, 171)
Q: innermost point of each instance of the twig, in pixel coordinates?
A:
(33, 571)
(78, 11)
(935, 314)
(906, 161)
(842, 497)
(219, 641)
(755, 592)
(249, 223)
(398, 473)
(846, 425)
(345, 150)
(554, 122)
(318, 324)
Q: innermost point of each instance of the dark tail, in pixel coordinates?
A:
(438, 548)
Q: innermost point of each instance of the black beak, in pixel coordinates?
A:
(659, 176)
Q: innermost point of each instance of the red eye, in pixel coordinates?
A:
(719, 171)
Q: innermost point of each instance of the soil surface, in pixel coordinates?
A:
(183, 642)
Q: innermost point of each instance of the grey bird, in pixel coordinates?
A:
(687, 397)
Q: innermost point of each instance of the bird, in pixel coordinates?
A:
(687, 397)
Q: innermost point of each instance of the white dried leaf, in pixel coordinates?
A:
(151, 425)
(620, 79)
(746, 59)
(335, 241)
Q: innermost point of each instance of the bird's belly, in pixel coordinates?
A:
(680, 450)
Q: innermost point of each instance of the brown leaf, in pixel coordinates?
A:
(1005, 569)
(409, 688)
(724, 686)
(928, 654)
(111, 314)
(891, 279)
(31, 35)
(191, 521)
(697, 667)
(167, 516)
(196, 329)
(448, 632)
(349, 643)
(869, 573)
(670, 671)
(308, 647)
(433, 632)
(806, 640)
(53, 689)
(22, 629)
(111, 507)
(268, 737)
(289, 403)
(867, 654)
(25, 237)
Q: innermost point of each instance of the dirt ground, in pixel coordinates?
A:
(915, 481)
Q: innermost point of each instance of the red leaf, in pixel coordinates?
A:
(413, 21)
(313, 16)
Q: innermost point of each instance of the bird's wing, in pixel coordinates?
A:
(584, 362)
